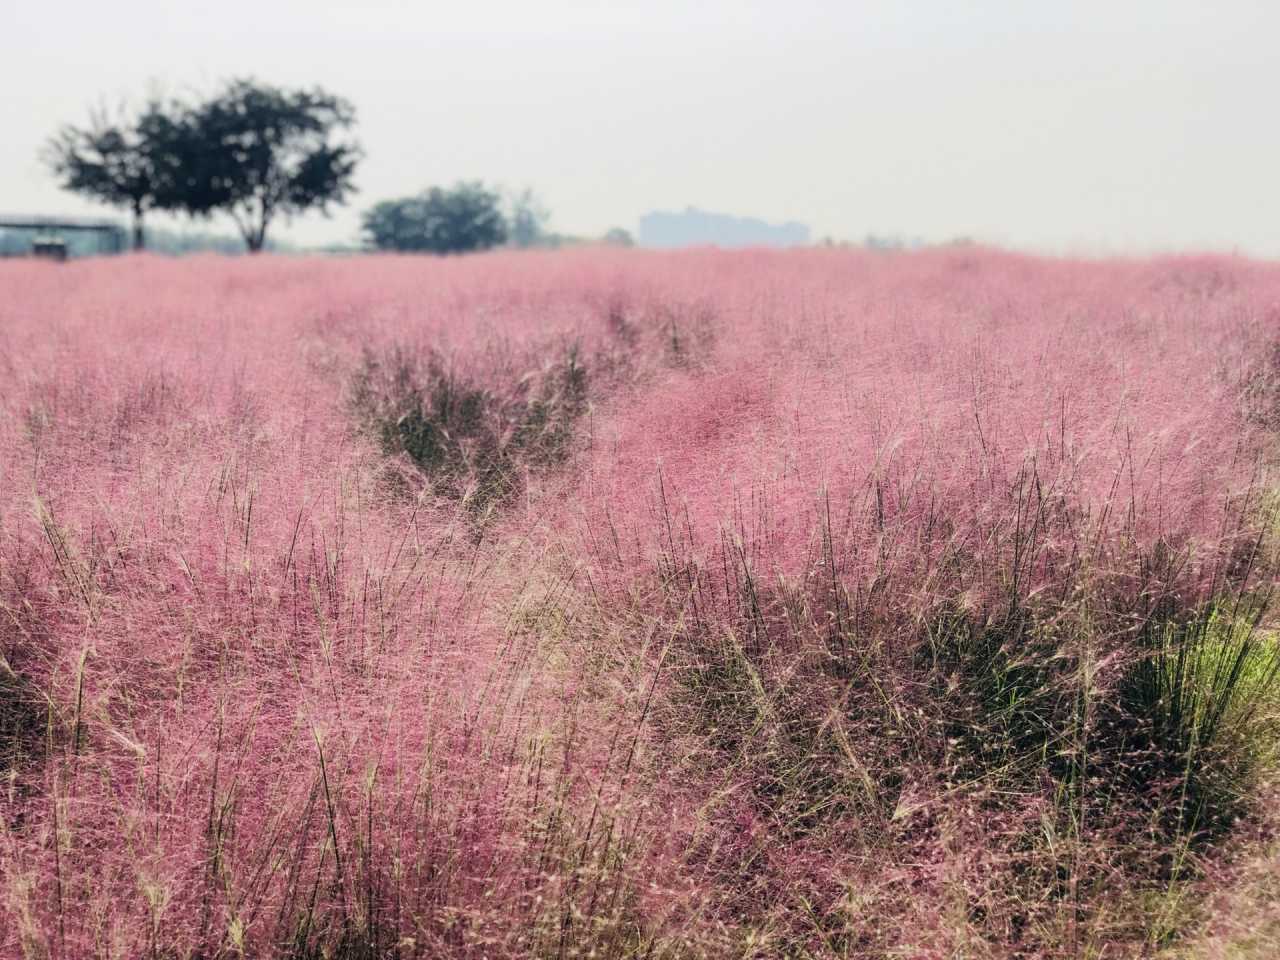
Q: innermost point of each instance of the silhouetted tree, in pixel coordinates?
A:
(268, 152)
(460, 219)
(137, 164)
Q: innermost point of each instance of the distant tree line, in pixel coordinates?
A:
(253, 151)
(461, 219)
(259, 153)
(466, 217)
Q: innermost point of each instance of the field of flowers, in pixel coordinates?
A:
(635, 605)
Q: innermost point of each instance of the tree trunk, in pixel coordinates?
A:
(139, 241)
(260, 234)
(254, 234)
(253, 226)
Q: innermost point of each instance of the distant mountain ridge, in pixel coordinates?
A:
(694, 228)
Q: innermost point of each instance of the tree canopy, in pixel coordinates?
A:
(139, 164)
(255, 151)
(460, 219)
(270, 152)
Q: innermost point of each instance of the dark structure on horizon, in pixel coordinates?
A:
(59, 237)
(698, 228)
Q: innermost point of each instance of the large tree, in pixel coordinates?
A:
(460, 219)
(137, 163)
(269, 152)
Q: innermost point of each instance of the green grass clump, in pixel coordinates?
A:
(473, 442)
(21, 720)
(1205, 693)
(24, 712)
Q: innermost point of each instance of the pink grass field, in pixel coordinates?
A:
(269, 692)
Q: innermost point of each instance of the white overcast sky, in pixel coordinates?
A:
(1064, 126)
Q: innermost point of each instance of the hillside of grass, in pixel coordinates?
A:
(619, 604)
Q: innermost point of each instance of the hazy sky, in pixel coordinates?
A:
(1072, 125)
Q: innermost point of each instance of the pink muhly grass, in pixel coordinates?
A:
(278, 693)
